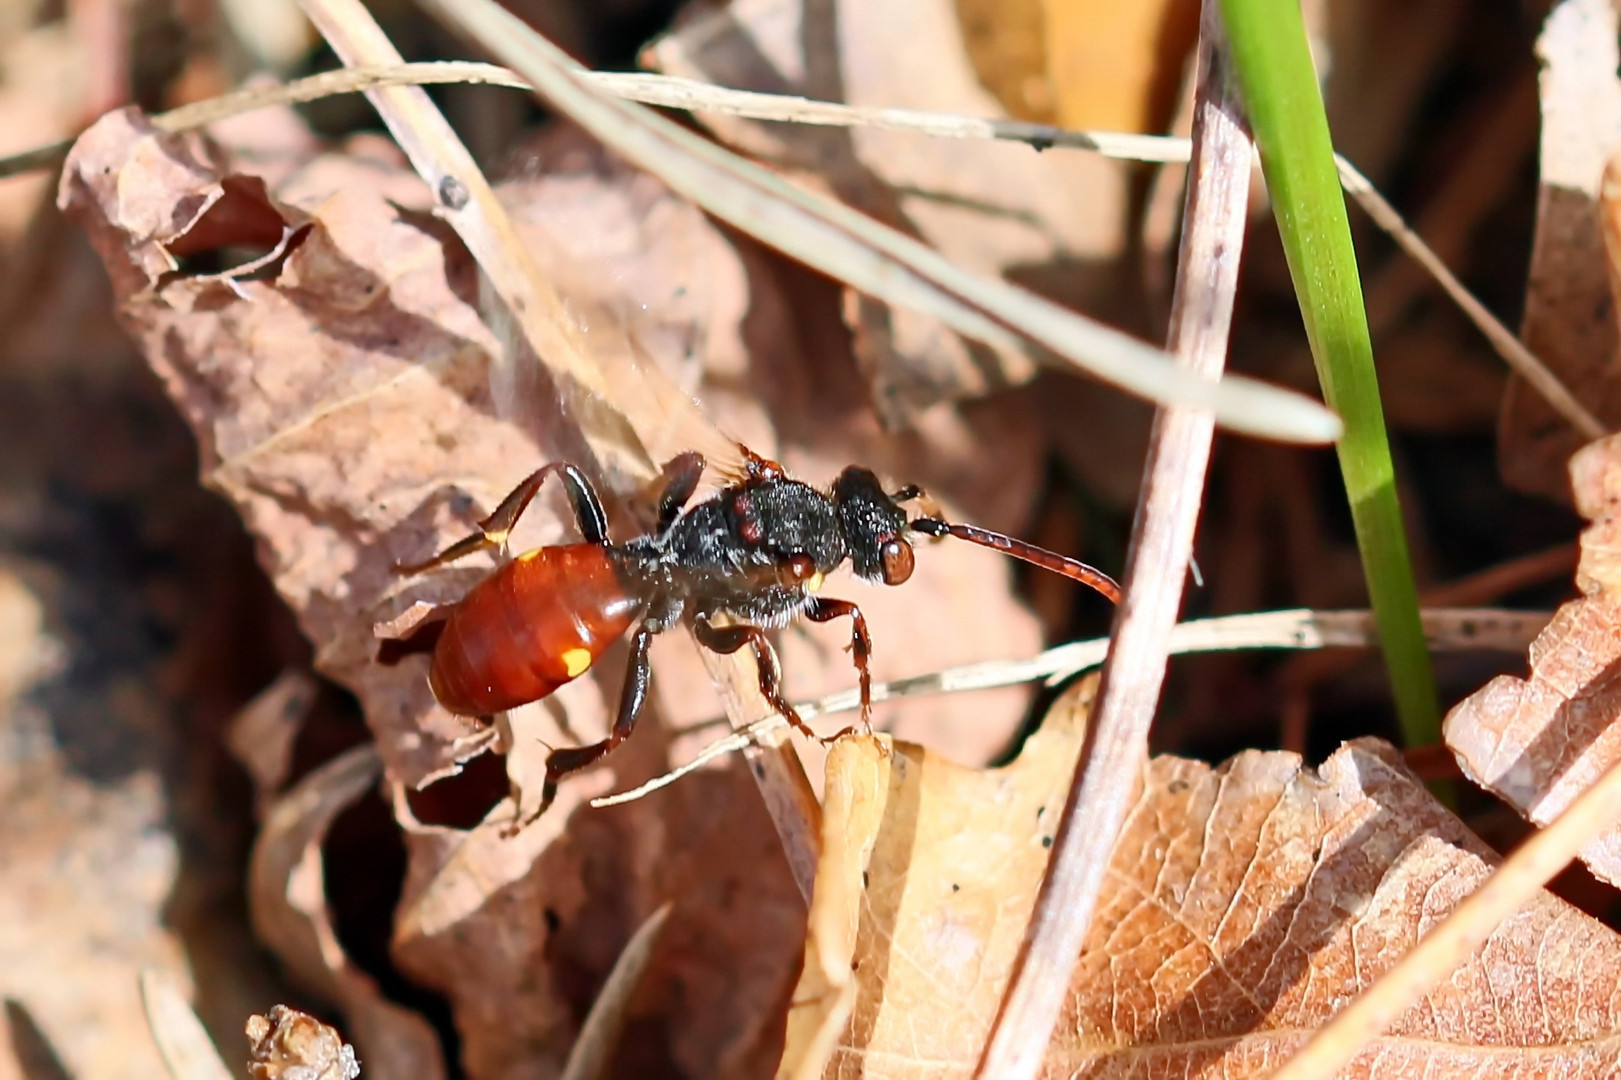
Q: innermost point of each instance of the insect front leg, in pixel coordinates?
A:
(729, 639)
(821, 609)
(494, 530)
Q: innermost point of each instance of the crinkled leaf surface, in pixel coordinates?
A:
(1244, 905)
(1539, 741)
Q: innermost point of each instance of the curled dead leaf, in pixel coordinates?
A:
(261, 737)
(287, 901)
(1570, 320)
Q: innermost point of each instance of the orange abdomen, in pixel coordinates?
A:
(534, 624)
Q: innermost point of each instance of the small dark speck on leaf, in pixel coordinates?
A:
(1046, 841)
(866, 879)
(453, 194)
(955, 887)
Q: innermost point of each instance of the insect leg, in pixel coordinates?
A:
(729, 639)
(822, 609)
(494, 530)
(677, 482)
(570, 759)
(913, 493)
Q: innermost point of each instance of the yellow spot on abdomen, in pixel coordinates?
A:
(576, 662)
(528, 555)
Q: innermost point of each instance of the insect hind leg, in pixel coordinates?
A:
(494, 530)
(571, 759)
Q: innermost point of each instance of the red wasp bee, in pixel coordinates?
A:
(753, 553)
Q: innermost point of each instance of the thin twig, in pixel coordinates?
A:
(878, 260)
(182, 1040)
(1447, 630)
(1162, 542)
(689, 94)
(1521, 359)
(1461, 934)
(662, 90)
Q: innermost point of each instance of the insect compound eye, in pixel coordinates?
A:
(896, 555)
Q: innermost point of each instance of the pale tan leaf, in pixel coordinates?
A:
(1539, 741)
(928, 874)
(1244, 905)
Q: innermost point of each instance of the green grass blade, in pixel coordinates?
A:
(1268, 41)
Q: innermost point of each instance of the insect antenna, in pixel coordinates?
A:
(1075, 570)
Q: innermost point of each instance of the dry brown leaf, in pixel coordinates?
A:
(1570, 320)
(1538, 742)
(341, 397)
(998, 209)
(1244, 905)
(287, 901)
(604, 1027)
(335, 406)
(507, 941)
(1377, 84)
(341, 401)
